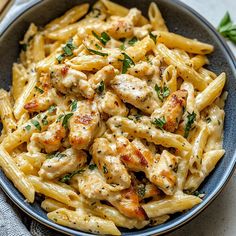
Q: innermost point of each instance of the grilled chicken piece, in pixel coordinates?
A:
(50, 139)
(83, 124)
(160, 171)
(44, 101)
(109, 164)
(172, 110)
(66, 162)
(93, 185)
(134, 91)
(111, 104)
(67, 80)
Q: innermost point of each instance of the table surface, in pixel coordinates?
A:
(220, 217)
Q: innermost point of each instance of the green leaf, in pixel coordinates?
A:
(60, 117)
(65, 119)
(162, 92)
(191, 117)
(97, 52)
(101, 87)
(73, 106)
(127, 63)
(98, 47)
(27, 127)
(36, 124)
(55, 154)
(60, 58)
(159, 122)
(225, 20)
(39, 89)
(67, 178)
(133, 41)
(44, 120)
(92, 166)
(67, 49)
(104, 38)
(51, 109)
(153, 37)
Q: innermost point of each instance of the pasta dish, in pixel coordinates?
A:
(113, 119)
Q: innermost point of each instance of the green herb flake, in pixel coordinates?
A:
(65, 120)
(101, 87)
(36, 124)
(97, 52)
(66, 179)
(67, 51)
(98, 47)
(104, 169)
(162, 92)
(127, 63)
(132, 41)
(73, 106)
(44, 120)
(39, 89)
(51, 109)
(227, 29)
(153, 37)
(122, 47)
(141, 191)
(55, 154)
(191, 117)
(60, 58)
(104, 38)
(27, 127)
(60, 117)
(159, 122)
(92, 166)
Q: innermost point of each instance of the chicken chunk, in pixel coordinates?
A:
(68, 80)
(172, 110)
(62, 163)
(83, 124)
(109, 164)
(134, 91)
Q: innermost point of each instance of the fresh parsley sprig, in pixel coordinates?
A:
(227, 29)
(191, 117)
(159, 122)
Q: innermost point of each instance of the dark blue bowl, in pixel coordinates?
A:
(180, 19)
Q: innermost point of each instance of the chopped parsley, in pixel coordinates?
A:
(44, 120)
(104, 169)
(73, 106)
(127, 63)
(162, 92)
(27, 127)
(159, 122)
(101, 87)
(122, 47)
(39, 89)
(65, 120)
(55, 154)
(92, 166)
(98, 47)
(141, 191)
(60, 117)
(67, 178)
(36, 124)
(132, 41)
(153, 37)
(104, 38)
(67, 51)
(227, 29)
(191, 117)
(97, 52)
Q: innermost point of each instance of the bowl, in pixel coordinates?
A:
(180, 19)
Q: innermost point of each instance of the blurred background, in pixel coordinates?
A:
(220, 217)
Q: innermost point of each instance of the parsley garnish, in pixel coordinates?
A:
(73, 105)
(104, 169)
(162, 92)
(55, 154)
(28, 127)
(92, 166)
(68, 51)
(104, 38)
(98, 47)
(141, 191)
(153, 37)
(191, 117)
(51, 109)
(122, 47)
(97, 52)
(65, 120)
(36, 124)
(227, 28)
(39, 89)
(159, 122)
(133, 41)
(68, 177)
(127, 63)
(59, 118)
(44, 120)
(101, 87)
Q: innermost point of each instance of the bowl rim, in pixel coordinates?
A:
(152, 231)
